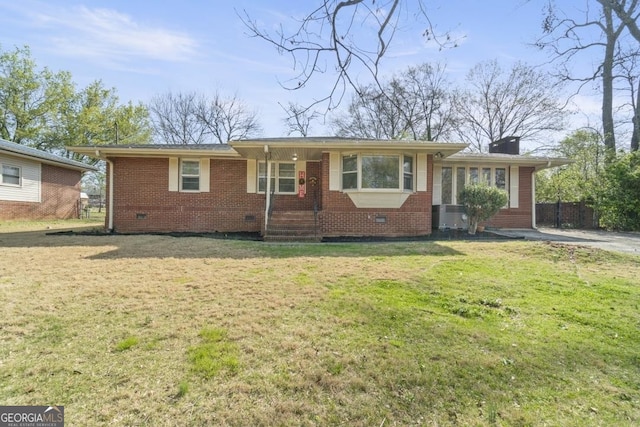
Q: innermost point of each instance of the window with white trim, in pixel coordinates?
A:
(461, 179)
(190, 175)
(11, 175)
(408, 173)
(283, 177)
(377, 172)
(447, 185)
(452, 184)
(500, 179)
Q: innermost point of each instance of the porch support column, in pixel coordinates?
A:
(267, 204)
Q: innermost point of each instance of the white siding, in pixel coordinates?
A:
(174, 174)
(514, 184)
(421, 171)
(205, 175)
(301, 165)
(30, 181)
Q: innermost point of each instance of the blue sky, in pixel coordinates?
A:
(146, 48)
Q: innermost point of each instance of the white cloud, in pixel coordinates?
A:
(105, 35)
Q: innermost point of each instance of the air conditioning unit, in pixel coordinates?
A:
(452, 217)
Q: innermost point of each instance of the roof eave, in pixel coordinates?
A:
(103, 152)
(313, 148)
(66, 165)
(539, 163)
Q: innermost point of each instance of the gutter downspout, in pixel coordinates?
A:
(110, 209)
(533, 200)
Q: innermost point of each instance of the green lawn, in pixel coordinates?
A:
(153, 330)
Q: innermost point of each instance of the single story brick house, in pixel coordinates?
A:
(319, 187)
(35, 184)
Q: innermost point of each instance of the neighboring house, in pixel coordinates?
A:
(319, 187)
(35, 184)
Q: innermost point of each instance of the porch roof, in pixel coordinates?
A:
(313, 147)
(538, 162)
(279, 148)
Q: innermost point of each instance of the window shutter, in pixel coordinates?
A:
(437, 185)
(252, 179)
(421, 172)
(514, 184)
(174, 173)
(334, 171)
(205, 175)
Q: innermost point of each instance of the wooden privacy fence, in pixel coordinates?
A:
(566, 215)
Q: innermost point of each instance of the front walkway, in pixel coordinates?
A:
(607, 240)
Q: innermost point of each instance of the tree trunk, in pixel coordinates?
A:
(473, 226)
(635, 137)
(607, 84)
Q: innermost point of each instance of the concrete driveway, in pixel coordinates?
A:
(607, 240)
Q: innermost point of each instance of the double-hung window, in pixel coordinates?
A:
(190, 175)
(408, 173)
(501, 178)
(447, 183)
(11, 175)
(283, 177)
(350, 172)
(377, 172)
(452, 184)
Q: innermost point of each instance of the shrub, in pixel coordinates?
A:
(619, 195)
(481, 202)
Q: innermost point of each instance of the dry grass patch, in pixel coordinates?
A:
(248, 333)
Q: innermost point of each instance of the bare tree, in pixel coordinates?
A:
(429, 93)
(174, 118)
(299, 119)
(191, 118)
(324, 41)
(628, 11)
(566, 38)
(415, 104)
(372, 114)
(227, 118)
(495, 104)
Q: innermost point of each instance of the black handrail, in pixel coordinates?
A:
(271, 196)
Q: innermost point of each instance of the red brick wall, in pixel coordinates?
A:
(340, 217)
(286, 202)
(60, 197)
(520, 217)
(143, 202)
